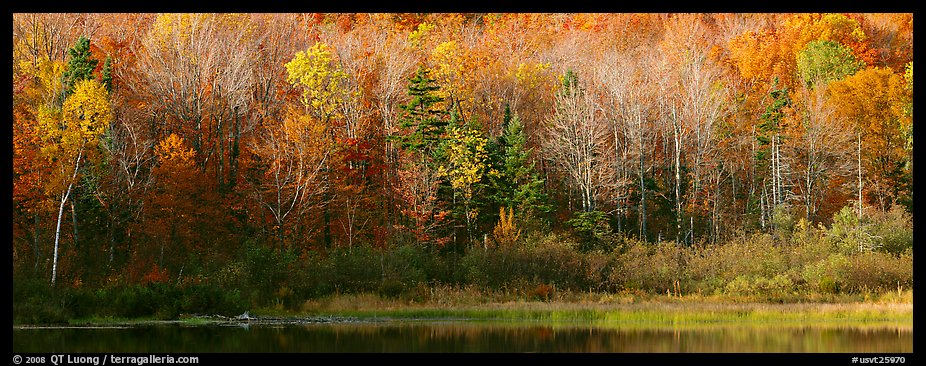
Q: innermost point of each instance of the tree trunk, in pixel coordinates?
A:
(110, 231)
(74, 221)
(64, 199)
(35, 242)
(678, 179)
(752, 172)
(327, 213)
(762, 200)
(774, 176)
(280, 236)
(808, 194)
(54, 265)
(220, 161)
(233, 160)
(642, 197)
(860, 176)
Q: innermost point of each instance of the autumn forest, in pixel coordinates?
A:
(260, 160)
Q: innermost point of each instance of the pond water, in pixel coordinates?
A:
(461, 336)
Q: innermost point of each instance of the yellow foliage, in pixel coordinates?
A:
(88, 110)
(449, 70)
(467, 155)
(320, 79)
(166, 25)
(67, 134)
(530, 75)
(174, 150)
(506, 232)
(50, 128)
(45, 86)
(417, 36)
(874, 98)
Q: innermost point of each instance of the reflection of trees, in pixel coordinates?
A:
(474, 337)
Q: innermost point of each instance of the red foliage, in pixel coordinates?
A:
(155, 275)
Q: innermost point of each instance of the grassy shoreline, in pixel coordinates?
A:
(611, 309)
(640, 314)
(895, 308)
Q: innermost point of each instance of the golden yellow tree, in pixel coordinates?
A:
(466, 162)
(875, 103)
(70, 138)
(506, 233)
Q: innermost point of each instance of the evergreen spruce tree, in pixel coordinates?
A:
(426, 121)
(80, 65)
(107, 74)
(516, 184)
(768, 152)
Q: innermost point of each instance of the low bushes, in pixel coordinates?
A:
(36, 302)
(810, 263)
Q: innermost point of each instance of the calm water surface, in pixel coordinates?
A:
(462, 336)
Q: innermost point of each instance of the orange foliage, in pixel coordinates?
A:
(155, 275)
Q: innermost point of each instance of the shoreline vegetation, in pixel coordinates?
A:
(809, 274)
(891, 309)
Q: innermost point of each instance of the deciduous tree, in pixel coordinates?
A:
(70, 138)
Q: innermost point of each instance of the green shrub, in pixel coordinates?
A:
(808, 246)
(591, 228)
(712, 267)
(894, 228)
(782, 221)
(36, 302)
(547, 259)
(266, 271)
(391, 288)
(827, 275)
(649, 267)
(741, 286)
(776, 287)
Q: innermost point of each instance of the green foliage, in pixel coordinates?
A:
(775, 287)
(782, 221)
(422, 116)
(894, 229)
(265, 272)
(710, 268)
(591, 227)
(771, 119)
(570, 82)
(37, 303)
(827, 275)
(516, 183)
(808, 245)
(106, 76)
(822, 61)
(852, 235)
(80, 65)
(548, 260)
(878, 272)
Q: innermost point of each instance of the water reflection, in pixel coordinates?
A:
(461, 336)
